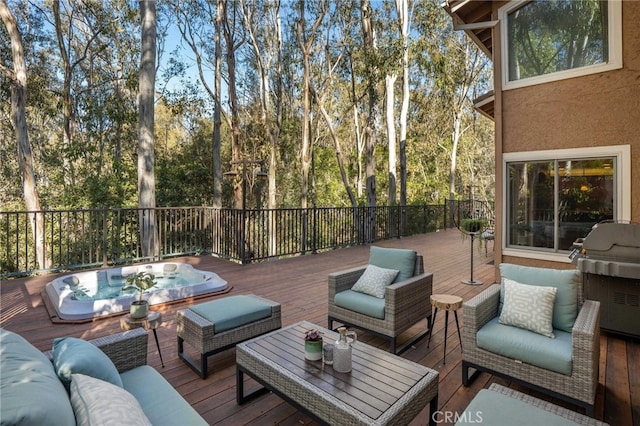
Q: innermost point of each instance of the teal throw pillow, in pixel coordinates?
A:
(72, 355)
(374, 280)
(389, 258)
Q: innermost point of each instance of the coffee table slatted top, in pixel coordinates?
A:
(382, 388)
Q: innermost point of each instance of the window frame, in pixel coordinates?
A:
(622, 184)
(614, 39)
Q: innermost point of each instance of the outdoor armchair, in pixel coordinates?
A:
(404, 302)
(565, 365)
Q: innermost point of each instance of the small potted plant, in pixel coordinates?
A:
(142, 281)
(313, 345)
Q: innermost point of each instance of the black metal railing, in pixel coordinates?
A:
(84, 238)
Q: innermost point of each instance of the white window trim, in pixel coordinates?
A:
(615, 49)
(622, 154)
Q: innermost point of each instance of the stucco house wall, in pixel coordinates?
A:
(588, 111)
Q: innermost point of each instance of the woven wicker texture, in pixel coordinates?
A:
(547, 406)
(200, 333)
(406, 302)
(126, 350)
(323, 393)
(580, 387)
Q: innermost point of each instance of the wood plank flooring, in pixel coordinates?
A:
(300, 285)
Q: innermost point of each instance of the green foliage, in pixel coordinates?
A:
(473, 225)
(142, 281)
(98, 167)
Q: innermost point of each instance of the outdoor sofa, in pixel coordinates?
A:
(110, 384)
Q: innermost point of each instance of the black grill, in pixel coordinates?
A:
(609, 259)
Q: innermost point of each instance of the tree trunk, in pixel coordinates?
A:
(236, 149)
(305, 152)
(403, 14)
(67, 101)
(18, 78)
(217, 111)
(146, 138)
(390, 81)
(370, 130)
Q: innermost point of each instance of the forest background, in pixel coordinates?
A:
(335, 102)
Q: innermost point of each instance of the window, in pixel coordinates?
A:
(551, 40)
(554, 197)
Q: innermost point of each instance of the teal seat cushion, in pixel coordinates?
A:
(565, 307)
(389, 258)
(161, 403)
(72, 355)
(493, 408)
(527, 346)
(27, 376)
(359, 302)
(232, 312)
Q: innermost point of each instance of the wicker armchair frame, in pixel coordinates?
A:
(579, 388)
(406, 303)
(127, 349)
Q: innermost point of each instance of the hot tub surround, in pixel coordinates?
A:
(90, 294)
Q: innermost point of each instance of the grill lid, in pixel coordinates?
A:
(615, 241)
(611, 248)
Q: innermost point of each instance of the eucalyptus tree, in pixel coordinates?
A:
(372, 78)
(402, 8)
(17, 75)
(146, 135)
(306, 36)
(194, 21)
(262, 20)
(335, 51)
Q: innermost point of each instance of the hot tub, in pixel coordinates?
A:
(90, 294)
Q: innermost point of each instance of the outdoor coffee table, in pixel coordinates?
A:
(381, 389)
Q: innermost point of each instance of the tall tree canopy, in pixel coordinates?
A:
(296, 88)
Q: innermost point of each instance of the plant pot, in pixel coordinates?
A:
(313, 350)
(139, 309)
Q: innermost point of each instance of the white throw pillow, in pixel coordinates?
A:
(529, 307)
(374, 280)
(96, 402)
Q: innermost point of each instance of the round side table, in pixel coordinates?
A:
(150, 322)
(448, 303)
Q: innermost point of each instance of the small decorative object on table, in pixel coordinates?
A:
(142, 281)
(342, 351)
(327, 353)
(313, 345)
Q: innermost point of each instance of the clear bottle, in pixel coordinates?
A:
(342, 352)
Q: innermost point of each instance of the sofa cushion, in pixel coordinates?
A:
(528, 306)
(493, 408)
(401, 259)
(232, 312)
(72, 355)
(565, 308)
(527, 346)
(374, 280)
(93, 408)
(361, 303)
(28, 374)
(162, 404)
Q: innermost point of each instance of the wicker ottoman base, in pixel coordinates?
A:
(200, 332)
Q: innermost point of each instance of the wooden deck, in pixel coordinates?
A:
(300, 285)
